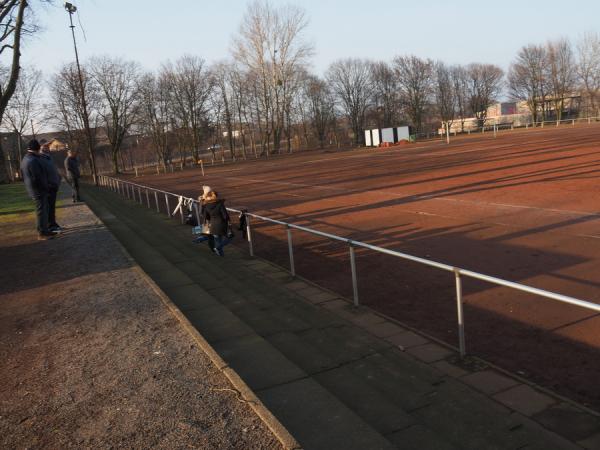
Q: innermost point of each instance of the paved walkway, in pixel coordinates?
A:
(92, 357)
(335, 376)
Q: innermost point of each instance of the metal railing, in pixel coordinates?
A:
(133, 191)
(446, 131)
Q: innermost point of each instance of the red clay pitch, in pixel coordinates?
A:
(522, 206)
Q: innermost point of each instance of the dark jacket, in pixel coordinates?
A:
(34, 175)
(216, 213)
(51, 172)
(72, 168)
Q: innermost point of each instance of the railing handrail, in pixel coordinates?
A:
(458, 271)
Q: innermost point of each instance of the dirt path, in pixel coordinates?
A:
(92, 358)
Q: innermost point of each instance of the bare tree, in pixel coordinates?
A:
(12, 27)
(527, 79)
(485, 86)
(588, 70)
(561, 66)
(445, 93)
(270, 44)
(118, 83)
(221, 74)
(321, 107)
(190, 85)
(24, 105)
(385, 94)
(240, 97)
(156, 114)
(67, 108)
(350, 81)
(415, 79)
(460, 82)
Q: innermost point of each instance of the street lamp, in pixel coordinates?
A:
(70, 8)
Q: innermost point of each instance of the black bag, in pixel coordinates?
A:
(190, 219)
(230, 233)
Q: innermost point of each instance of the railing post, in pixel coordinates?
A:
(181, 214)
(460, 314)
(126, 184)
(156, 200)
(197, 213)
(291, 251)
(140, 195)
(249, 236)
(168, 207)
(353, 269)
(148, 198)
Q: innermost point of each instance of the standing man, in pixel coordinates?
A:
(36, 183)
(72, 173)
(53, 185)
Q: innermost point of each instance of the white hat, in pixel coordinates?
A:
(206, 190)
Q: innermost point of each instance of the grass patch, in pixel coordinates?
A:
(14, 199)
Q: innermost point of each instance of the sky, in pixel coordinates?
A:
(460, 31)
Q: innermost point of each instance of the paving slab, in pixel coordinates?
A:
(257, 362)
(525, 399)
(171, 277)
(217, 323)
(430, 352)
(407, 339)
(570, 422)
(190, 297)
(449, 369)
(324, 423)
(367, 401)
(304, 354)
(591, 443)
(384, 329)
(419, 437)
(489, 381)
(468, 421)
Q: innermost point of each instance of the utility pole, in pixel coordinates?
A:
(86, 120)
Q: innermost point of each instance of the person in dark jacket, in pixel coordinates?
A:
(203, 229)
(36, 183)
(72, 173)
(53, 185)
(215, 213)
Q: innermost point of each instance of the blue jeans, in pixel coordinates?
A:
(41, 211)
(220, 242)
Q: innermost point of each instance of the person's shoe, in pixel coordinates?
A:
(55, 229)
(46, 236)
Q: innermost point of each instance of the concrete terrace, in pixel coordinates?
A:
(334, 375)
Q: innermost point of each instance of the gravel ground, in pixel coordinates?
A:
(92, 358)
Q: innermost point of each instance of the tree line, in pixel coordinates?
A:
(264, 99)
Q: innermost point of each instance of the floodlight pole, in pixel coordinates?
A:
(86, 122)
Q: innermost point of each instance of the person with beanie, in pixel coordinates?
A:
(36, 183)
(53, 185)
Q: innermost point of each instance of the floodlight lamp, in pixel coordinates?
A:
(70, 7)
